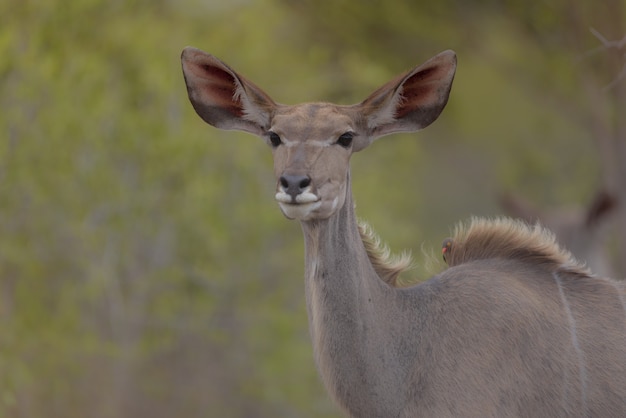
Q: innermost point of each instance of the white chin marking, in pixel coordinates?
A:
(301, 211)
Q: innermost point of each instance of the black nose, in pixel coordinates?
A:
(293, 185)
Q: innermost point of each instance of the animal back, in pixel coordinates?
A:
(505, 238)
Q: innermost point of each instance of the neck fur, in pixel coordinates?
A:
(344, 294)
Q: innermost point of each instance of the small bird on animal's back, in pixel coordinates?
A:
(446, 247)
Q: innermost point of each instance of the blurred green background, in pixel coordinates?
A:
(145, 270)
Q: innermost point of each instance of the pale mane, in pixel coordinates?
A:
(506, 238)
(387, 266)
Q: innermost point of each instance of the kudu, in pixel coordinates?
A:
(513, 328)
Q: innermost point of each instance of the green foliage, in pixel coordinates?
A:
(144, 269)
(124, 236)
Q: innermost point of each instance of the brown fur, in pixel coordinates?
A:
(386, 265)
(506, 238)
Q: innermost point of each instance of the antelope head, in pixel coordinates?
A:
(312, 142)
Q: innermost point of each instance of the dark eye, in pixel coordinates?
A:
(345, 140)
(275, 139)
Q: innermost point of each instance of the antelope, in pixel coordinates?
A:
(513, 327)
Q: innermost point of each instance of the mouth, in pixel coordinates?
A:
(299, 199)
(301, 207)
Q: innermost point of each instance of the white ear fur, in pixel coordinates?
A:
(251, 111)
(385, 115)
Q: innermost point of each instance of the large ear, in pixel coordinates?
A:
(413, 100)
(222, 97)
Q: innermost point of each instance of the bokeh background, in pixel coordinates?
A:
(145, 270)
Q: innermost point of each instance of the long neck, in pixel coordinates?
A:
(346, 304)
(339, 278)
